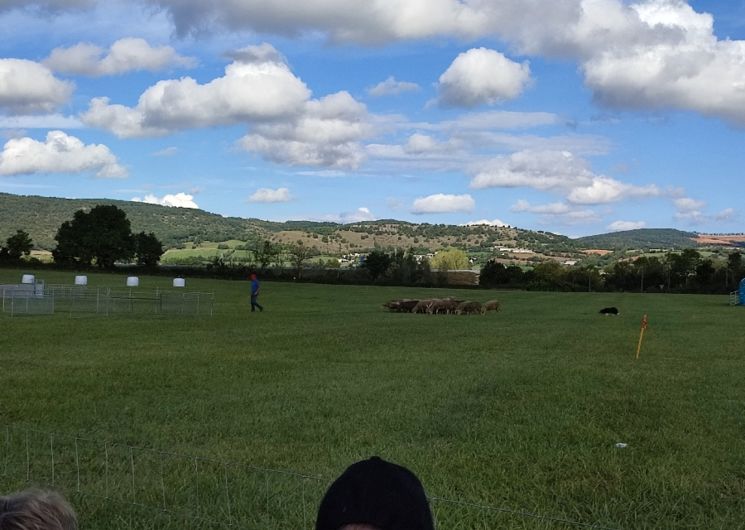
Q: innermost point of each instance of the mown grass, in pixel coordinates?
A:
(520, 409)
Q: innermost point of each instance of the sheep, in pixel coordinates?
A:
(422, 306)
(401, 306)
(468, 308)
(491, 305)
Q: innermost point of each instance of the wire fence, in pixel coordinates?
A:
(117, 485)
(82, 300)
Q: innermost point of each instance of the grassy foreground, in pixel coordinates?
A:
(518, 410)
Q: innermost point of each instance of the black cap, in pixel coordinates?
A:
(377, 493)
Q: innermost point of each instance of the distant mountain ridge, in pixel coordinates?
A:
(642, 238)
(42, 216)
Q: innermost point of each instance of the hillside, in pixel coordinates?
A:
(644, 238)
(42, 216)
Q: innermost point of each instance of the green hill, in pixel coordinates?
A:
(42, 216)
(643, 238)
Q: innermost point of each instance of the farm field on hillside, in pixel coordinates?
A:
(510, 420)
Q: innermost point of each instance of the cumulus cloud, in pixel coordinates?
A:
(560, 172)
(370, 22)
(486, 222)
(179, 200)
(557, 212)
(325, 133)
(27, 87)
(392, 87)
(687, 204)
(257, 86)
(482, 77)
(125, 55)
(443, 203)
(605, 190)
(59, 153)
(684, 66)
(621, 226)
(542, 170)
(269, 195)
(360, 214)
(650, 53)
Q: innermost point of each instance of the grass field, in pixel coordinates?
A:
(519, 410)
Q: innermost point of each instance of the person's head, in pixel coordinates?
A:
(253, 275)
(36, 510)
(375, 495)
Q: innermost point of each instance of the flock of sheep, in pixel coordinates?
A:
(444, 306)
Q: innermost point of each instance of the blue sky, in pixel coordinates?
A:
(578, 117)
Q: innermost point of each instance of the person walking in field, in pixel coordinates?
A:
(255, 293)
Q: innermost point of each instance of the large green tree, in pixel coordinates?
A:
(451, 259)
(377, 264)
(148, 249)
(101, 236)
(17, 245)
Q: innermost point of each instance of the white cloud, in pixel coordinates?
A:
(370, 22)
(125, 55)
(486, 222)
(443, 203)
(325, 133)
(682, 64)
(542, 170)
(497, 120)
(482, 77)
(560, 172)
(605, 189)
(728, 214)
(647, 53)
(554, 208)
(269, 195)
(392, 87)
(179, 200)
(59, 153)
(167, 151)
(27, 87)
(687, 204)
(357, 216)
(257, 86)
(557, 212)
(40, 121)
(621, 226)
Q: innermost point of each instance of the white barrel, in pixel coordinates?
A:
(133, 281)
(28, 278)
(81, 280)
(179, 282)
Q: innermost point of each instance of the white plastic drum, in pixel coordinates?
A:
(28, 278)
(179, 282)
(133, 281)
(81, 280)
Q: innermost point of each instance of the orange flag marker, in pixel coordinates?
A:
(645, 323)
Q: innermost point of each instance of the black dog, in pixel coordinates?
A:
(610, 311)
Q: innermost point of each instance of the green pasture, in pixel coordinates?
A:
(511, 420)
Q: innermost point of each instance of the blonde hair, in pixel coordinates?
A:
(36, 510)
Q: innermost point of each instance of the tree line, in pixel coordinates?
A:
(102, 237)
(686, 271)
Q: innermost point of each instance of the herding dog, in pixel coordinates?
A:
(609, 311)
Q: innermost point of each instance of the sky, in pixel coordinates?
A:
(577, 117)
